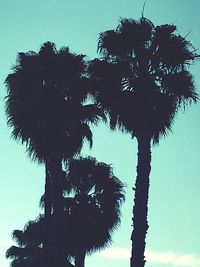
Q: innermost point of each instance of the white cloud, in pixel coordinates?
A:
(173, 258)
(167, 257)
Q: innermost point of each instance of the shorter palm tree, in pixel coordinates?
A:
(92, 211)
(92, 206)
(30, 251)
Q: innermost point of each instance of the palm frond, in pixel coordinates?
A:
(106, 41)
(181, 85)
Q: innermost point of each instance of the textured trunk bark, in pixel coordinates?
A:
(55, 169)
(80, 259)
(140, 210)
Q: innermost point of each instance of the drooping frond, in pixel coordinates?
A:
(181, 86)
(105, 44)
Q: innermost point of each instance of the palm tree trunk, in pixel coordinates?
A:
(47, 211)
(80, 258)
(140, 210)
(55, 168)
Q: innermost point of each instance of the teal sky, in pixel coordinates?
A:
(174, 217)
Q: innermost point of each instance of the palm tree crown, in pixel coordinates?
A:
(93, 203)
(143, 77)
(45, 104)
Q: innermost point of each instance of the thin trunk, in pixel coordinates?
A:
(47, 211)
(140, 210)
(55, 168)
(80, 258)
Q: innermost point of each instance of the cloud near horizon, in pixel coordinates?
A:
(166, 257)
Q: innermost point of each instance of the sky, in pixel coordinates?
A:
(174, 234)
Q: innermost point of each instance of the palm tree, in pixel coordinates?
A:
(92, 211)
(93, 201)
(30, 251)
(46, 109)
(141, 81)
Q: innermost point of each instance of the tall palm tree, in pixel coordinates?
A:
(141, 81)
(92, 211)
(46, 109)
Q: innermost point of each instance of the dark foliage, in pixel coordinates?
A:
(30, 251)
(93, 204)
(45, 104)
(93, 196)
(143, 79)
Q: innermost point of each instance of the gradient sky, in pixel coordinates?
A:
(174, 217)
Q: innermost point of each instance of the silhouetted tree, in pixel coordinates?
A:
(46, 108)
(92, 211)
(30, 251)
(141, 81)
(92, 206)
